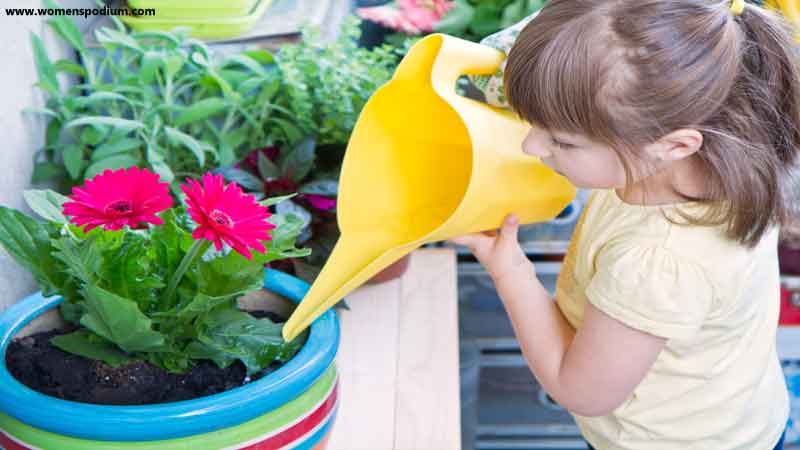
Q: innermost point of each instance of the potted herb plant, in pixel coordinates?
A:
(153, 99)
(150, 295)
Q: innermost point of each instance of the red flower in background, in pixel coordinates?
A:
(250, 161)
(320, 202)
(225, 213)
(117, 198)
(279, 186)
(408, 16)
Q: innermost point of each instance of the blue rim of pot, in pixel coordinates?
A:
(167, 420)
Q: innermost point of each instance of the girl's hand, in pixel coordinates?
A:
(500, 254)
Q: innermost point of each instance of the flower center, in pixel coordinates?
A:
(220, 218)
(118, 208)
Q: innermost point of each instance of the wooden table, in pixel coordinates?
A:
(398, 361)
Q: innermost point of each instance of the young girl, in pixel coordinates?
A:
(682, 117)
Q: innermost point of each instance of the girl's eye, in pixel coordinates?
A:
(562, 145)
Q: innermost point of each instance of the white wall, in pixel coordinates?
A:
(21, 135)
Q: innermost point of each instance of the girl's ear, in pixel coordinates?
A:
(676, 145)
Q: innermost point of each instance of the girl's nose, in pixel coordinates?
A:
(534, 145)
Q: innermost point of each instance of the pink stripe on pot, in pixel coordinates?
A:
(7, 442)
(304, 427)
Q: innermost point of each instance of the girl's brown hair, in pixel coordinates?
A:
(627, 72)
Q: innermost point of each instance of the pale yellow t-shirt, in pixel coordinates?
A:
(718, 384)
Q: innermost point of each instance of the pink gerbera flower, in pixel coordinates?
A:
(117, 198)
(225, 213)
(408, 16)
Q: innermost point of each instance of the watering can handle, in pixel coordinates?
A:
(455, 57)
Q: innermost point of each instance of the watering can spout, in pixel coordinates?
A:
(354, 260)
(425, 164)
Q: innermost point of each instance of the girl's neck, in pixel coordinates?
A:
(685, 176)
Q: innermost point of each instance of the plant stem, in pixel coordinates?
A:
(198, 248)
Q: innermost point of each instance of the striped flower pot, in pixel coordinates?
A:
(292, 407)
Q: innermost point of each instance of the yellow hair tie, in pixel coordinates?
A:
(737, 6)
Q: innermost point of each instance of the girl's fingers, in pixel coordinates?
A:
(469, 240)
(510, 228)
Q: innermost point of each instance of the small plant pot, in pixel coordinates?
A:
(211, 27)
(182, 9)
(294, 406)
(394, 271)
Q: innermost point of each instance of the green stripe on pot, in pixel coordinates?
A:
(228, 437)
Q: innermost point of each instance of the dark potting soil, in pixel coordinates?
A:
(52, 371)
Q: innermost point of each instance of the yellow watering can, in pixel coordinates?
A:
(425, 164)
(790, 9)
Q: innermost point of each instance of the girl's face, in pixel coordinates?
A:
(586, 164)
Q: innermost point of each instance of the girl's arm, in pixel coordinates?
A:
(589, 372)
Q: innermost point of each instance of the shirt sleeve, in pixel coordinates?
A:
(492, 85)
(651, 289)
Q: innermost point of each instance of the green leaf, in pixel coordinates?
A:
(100, 120)
(299, 161)
(73, 160)
(260, 55)
(275, 200)
(201, 110)
(173, 64)
(328, 188)
(230, 275)
(233, 139)
(200, 304)
(66, 28)
(246, 180)
(46, 171)
(198, 148)
(71, 311)
(127, 270)
(102, 97)
(123, 145)
(112, 162)
(111, 38)
(89, 346)
(199, 350)
(28, 242)
(166, 240)
(226, 154)
(284, 236)
(151, 61)
(513, 13)
(53, 132)
(293, 134)
(93, 135)
(67, 66)
(163, 36)
(266, 168)
(81, 258)
(234, 77)
(237, 335)
(156, 160)
(47, 73)
(120, 321)
(268, 90)
(47, 204)
(44, 111)
(486, 19)
(247, 62)
(172, 361)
